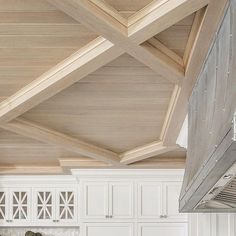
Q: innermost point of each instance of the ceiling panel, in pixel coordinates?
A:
(119, 107)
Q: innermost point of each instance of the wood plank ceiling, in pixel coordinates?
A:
(98, 83)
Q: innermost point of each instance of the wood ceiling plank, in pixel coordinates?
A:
(88, 59)
(35, 131)
(108, 106)
(203, 41)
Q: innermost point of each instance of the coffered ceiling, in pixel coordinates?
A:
(98, 83)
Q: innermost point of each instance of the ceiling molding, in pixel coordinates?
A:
(85, 61)
(49, 136)
(144, 152)
(107, 26)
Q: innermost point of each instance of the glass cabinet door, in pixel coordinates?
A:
(20, 205)
(3, 205)
(66, 202)
(44, 209)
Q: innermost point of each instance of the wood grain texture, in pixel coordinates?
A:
(176, 36)
(120, 106)
(49, 136)
(213, 101)
(34, 36)
(205, 37)
(17, 150)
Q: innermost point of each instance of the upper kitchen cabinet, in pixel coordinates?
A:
(107, 200)
(159, 201)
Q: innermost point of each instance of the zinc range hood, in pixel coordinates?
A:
(210, 176)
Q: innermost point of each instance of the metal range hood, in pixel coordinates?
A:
(210, 177)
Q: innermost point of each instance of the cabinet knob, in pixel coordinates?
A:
(9, 221)
(107, 216)
(163, 216)
(110, 216)
(55, 221)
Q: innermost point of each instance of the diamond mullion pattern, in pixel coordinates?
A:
(66, 205)
(44, 205)
(20, 205)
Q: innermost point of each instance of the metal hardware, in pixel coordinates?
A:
(55, 221)
(110, 216)
(163, 216)
(107, 216)
(9, 221)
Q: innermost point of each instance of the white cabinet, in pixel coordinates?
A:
(107, 229)
(107, 200)
(4, 206)
(54, 206)
(20, 200)
(95, 201)
(121, 200)
(159, 201)
(66, 205)
(161, 229)
(150, 200)
(15, 206)
(171, 192)
(44, 200)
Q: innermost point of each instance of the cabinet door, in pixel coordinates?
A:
(161, 229)
(171, 198)
(44, 210)
(66, 211)
(95, 200)
(121, 200)
(108, 229)
(4, 206)
(149, 200)
(20, 206)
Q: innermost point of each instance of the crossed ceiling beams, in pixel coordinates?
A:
(119, 36)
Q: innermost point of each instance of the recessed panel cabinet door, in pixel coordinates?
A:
(162, 229)
(108, 229)
(95, 200)
(149, 200)
(121, 200)
(20, 206)
(171, 197)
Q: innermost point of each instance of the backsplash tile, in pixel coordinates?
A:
(44, 231)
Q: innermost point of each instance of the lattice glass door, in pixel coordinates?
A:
(3, 205)
(20, 205)
(44, 205)
(66, 202)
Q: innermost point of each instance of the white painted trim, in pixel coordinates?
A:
(137, 173)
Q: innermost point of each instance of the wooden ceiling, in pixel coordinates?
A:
(98, 83)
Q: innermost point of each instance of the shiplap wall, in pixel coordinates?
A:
(44, 231)
(212, 224)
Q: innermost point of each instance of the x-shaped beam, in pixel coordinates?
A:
(118, 37)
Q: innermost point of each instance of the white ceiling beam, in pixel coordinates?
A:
(49, 136)
(205, 36)
(144, 152)
(85, 61)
